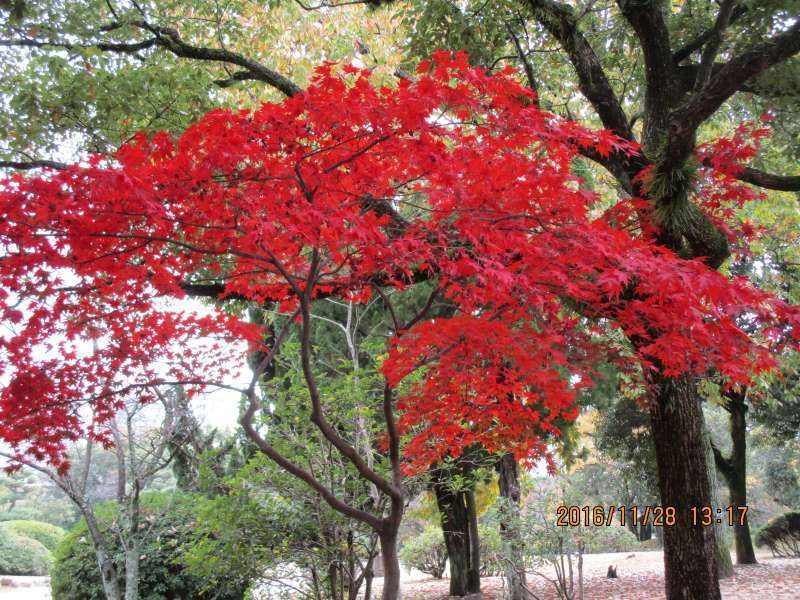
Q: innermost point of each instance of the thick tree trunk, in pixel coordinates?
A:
(454, 513)
(508, 482)
(689, 550)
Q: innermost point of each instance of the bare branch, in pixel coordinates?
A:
(28, 165)
(171, 40)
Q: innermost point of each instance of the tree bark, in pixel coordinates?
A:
(108, 570)
(721, 537)
(132, 571)
(391, 565)
(454, 514)
(508, 482)
(474, 570)
(734, 471)
(689, 550)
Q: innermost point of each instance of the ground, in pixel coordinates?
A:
(640, 577)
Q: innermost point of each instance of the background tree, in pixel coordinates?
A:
(139, 452)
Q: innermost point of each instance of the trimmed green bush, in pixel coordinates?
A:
(19, 513)
(163, 575)
(22, 556)
(45, 533)
(781, 535)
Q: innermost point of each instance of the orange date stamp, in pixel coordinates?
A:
(657, 516)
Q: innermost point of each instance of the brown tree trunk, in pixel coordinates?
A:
(721, 537)
(689, 550)
(734, 471)
(454, 514)
(508, 482)
(391, 562)
(745, 555)
(391, 566)
(474, 570)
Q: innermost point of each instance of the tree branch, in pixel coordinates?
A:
(526, 64)
(723, 464)
(686, 51)
(714, 42)
(728, 80)
(647, 20)
(170, 39)
(317, 412)
(560, 21)
(300, 473)
(125, 48)
(28, 165)
(783, 183)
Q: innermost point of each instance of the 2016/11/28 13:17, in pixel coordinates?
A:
(574, 516)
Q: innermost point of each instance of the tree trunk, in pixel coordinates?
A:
(474, 570)
(736, 478)
(658, 533)
(508, 482)
(391, 565)
(132, 572)
(108, 570)
(333, 580)
(721, 537)
(369, 574)
(645, 532)
(453, 511)
(689, 550)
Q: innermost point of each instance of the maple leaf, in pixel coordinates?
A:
(309, 198)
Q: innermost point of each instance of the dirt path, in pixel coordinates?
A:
(640, 577)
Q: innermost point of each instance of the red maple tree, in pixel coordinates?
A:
(348, 190)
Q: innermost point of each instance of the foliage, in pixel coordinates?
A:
(171, 521)
(609, 539)
(97, 98)
(520, 390)
(28, 497)
(22, 555)
(267, 525)
(426, 552)
(781, 535)
(46, 534)
(492, 560)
